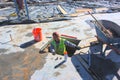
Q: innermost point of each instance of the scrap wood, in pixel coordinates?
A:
(53, 19)
(74, 14)
(62, 10)
(88, 42)
(68, 36)
(13, 14)
(65, 36)
(83, 10)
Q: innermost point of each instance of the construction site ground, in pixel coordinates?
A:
(20, 58)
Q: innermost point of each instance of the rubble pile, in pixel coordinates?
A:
(44, 9)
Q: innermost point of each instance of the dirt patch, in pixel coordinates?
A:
(30, 27)
(63, 66)
(3, 50)
(56, 74)
(21, 65)
(29, 35)
(22, 30)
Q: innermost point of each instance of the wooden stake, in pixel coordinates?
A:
(11, 37)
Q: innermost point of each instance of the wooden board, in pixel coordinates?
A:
(83, 10)
(62, 10)
(87, 42)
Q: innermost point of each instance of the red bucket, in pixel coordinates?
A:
(37, 33)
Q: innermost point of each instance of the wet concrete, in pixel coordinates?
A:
(21, 65)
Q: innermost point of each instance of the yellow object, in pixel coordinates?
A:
(13, 15)
(62, 10)
(83, 10)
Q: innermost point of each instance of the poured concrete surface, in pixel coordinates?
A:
(56, 70)
(20, 65)
(22, 53)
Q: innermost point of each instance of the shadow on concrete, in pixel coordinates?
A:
(28, 44)
(10, 22)
(105, 68)
(80, 69)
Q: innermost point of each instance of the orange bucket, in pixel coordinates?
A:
(37, 33)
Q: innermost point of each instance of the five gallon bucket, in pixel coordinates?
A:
(37, 33)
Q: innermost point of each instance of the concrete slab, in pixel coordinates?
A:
(24, 45)
(53, 71)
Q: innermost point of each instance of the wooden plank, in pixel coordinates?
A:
(68, 36)
(83, 10)
(62, 10)
(74, 14)
(88, 42)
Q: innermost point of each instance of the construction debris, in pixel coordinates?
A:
(56, 11)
